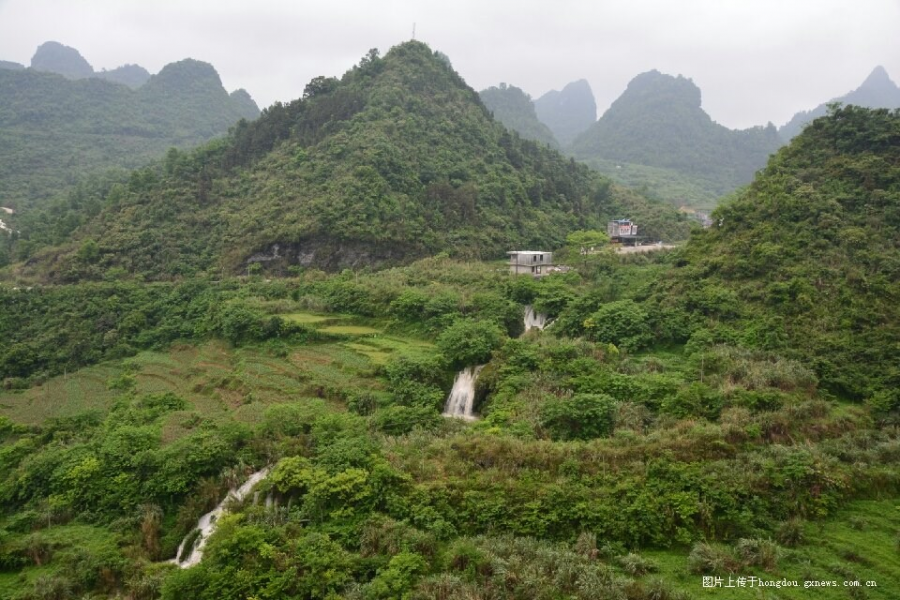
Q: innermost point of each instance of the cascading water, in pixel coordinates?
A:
(207, 523)
(462, 396)
(533, 319)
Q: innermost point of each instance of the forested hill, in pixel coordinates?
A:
(658, 122)
(877, 91)
(806, 261)
(396, 160)
(514, 108)
(54, 130)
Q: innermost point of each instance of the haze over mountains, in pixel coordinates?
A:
(656, 136)
(515, 109)
(877, 91)
(286, 305)
(658, 122)
(61, 121)
(568, 112)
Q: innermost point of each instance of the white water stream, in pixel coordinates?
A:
(533, 319)
(207, 523)
(462, 396)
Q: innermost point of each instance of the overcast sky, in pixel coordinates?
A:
(755, 61)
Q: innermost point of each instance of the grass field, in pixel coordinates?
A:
(861, 543)
(311, 318)
(351, 330)
(217, 380)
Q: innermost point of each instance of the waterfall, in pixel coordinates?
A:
(533, 319)
(207, 523)
(462, 396)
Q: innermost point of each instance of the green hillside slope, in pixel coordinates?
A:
(54, 131)
(514, 108)
(807, 260)
(397, 160)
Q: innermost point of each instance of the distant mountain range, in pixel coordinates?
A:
(569, 112)
(877, 91)
(656, 137)
(53, 57)
(658, 122)
(61, 121)
(515, 109)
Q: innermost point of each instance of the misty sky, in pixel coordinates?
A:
(755, 61)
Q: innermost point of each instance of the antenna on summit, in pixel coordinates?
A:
(414, 32)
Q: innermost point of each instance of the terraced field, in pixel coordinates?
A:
(218, 380)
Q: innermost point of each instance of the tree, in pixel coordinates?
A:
(467, 342)
(587, 240)
(623, 323)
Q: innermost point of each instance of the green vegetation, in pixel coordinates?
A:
(55, 131)
(657, 122)
(397, 160)
(514, 108)
(596, 470)
(805, 261)
(727, 409)
(666, 185)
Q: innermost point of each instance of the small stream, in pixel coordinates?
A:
(207, 523)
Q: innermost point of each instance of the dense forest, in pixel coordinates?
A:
(55, 131)
(290, 305)
(397, 160)
(515, 109)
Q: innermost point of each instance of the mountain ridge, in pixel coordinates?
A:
(55, 130)
(658, 121)
(397, 160)
(515, 109)
(876, 91)
(568, 112)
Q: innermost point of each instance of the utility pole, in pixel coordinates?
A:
(414, 32)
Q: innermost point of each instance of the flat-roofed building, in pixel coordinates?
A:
(536, 263)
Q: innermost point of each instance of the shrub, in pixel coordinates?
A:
(636, 565)
(467, 342)
(581, 417)
(790, 533)
(623, 323)
(707, 559)
(399, 420)
(758, 553)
